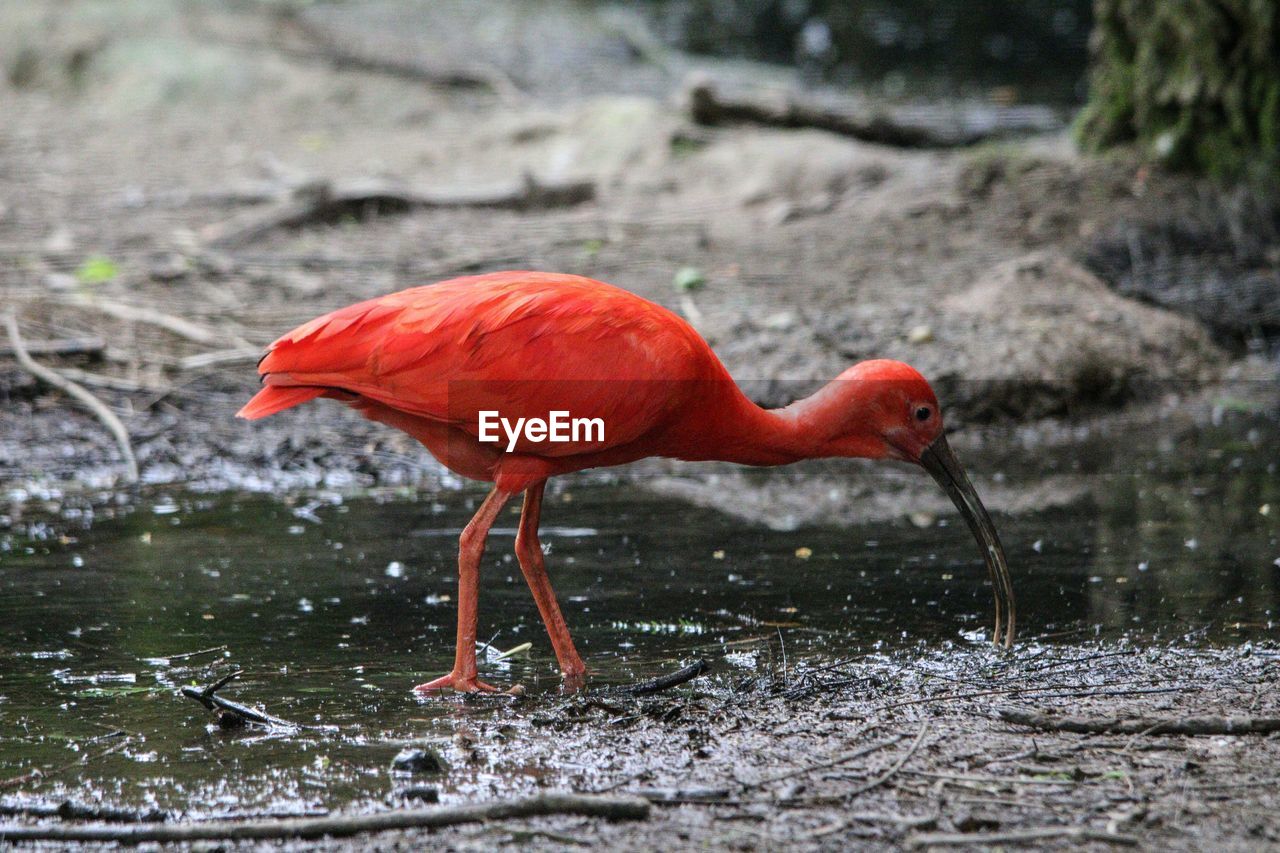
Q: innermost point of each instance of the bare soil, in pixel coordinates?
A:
(899, 749)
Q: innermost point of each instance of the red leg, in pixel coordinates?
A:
(529, 551)
(470, 551)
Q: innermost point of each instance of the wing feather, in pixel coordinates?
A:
(521, 343)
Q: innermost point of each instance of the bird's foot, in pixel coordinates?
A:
(459, 683)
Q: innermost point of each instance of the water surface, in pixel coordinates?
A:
(334, 608)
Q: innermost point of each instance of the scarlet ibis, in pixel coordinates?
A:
(446, 361)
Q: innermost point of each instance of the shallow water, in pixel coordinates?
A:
(334, 608)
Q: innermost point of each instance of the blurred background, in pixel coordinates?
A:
(1051, 208)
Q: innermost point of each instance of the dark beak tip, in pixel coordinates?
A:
(940, 461)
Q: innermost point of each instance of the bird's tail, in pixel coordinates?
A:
(277, 398)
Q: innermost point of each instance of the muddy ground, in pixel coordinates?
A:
(915, 749)
(910, 750)
(138, 140)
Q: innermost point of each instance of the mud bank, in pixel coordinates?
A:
(139, 138)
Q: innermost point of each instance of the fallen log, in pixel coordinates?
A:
(584, 805)
(1049, 721)
(908, 126)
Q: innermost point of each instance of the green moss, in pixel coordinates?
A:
(1194, 84)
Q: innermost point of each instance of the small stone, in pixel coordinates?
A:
(169, 266)
(419, 760)
(60, 242)
(920, 335)
(780, 322)
(60, 282)
(424, 793)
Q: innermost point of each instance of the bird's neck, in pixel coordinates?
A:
(748, 434)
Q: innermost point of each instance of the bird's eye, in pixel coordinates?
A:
(923, 413)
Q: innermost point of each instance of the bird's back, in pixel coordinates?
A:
(518, 343)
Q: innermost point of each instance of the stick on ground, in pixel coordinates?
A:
(79, 392)
(664, 682)
(1019, 836)
(585, 805)
(207, 696)
(1140, 725)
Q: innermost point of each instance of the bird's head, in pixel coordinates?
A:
(886, 410)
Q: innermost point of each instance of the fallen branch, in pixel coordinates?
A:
(322, 202)
(1140, 725)
(664, 682)
(79, 392)
(609, 808)
(71, 810)
(335, 51)
(1019, 836)
(238, 714)
(65, 346)
(179, 326)
(115, 383)
(904, 127)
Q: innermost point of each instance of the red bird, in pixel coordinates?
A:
(457, 364)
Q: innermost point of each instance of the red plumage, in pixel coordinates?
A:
(429, 360)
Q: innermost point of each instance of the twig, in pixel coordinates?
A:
(514, 650)
(115, 383)
(664, 682)
(179, 326)
(585, 805)
(1019, 836)
(782, 644)
(874, 783)
(67, 346)
(39, 773)
(1066, 691)
(897, 766)
(207, 697)
(196, 653)
(989, 780)
(1139, 725)
(216, 358)
(67, 386)
(825, 765)
(71, 810)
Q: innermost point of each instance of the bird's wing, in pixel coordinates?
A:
(520, 344)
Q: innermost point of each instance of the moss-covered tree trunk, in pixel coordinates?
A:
(1195, 83)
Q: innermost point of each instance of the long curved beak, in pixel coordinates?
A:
(939, 460)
